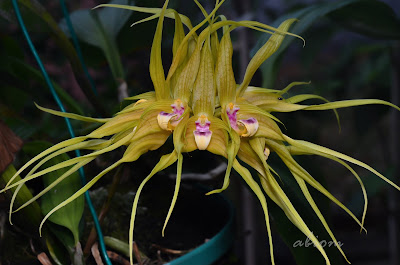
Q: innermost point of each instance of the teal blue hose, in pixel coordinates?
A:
(76, 45)
(59, 103)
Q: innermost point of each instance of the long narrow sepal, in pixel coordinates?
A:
(310, 147)
(269, 48)
(231, 151)
(156, 67)
(165, 161)
(72, 115)
(297, 151)
(225, 79)
(179, 35)
(350, 103)
(42, 154)
(204, 90)
(245, 174)
(295, 168)
(44, 191)
(178, 59)
(176, 191)
(156, 11)
(275, 192)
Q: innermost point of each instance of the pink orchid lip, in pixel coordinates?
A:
(163, 113)
(251, 126)
(168, 121)
(231, 111)
(202, 134)
(201, 125)
(178, 108)
(249, 121)
(246, 127)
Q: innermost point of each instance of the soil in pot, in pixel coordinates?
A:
(195, 219)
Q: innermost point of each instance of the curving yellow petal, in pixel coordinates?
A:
(178, 59)
(42, 154)
(296, 151)
(225, 79)
(204, 89)
(245, 174)
(295, 169)
(147, 95)
(263, 53)
(156, 67)
(231, 152)
(275, 192)
(156, 11)
(310, 147)
(48, 188)
(176, 191)
(72, 115)
(178, 39)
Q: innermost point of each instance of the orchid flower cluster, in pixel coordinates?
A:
(200, 105)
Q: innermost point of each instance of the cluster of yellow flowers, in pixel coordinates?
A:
(200, 104)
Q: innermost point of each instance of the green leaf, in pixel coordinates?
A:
(70, 215)
(35, 15)
(29, 218)
(100, 28)
(11, 47)
(22, 70)
(307, 16)
(56, 250)
(87, 29)
(372, 18)
(34, 20)
(64, 236)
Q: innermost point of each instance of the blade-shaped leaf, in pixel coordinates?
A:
(20, 68)
(87, 29)
(371, 18)
(100, 28)
(45, 22)
(30, 217)
(307, 16)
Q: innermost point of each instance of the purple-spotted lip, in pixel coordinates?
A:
(178, 110)
(251, 127)
(163, 113)
(167, 120)
(249, 121)
(202, 127)
(203, 133)
(231, 111)
(250, 124)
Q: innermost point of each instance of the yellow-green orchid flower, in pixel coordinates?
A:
(200, 104)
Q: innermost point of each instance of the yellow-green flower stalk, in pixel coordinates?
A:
(200, 104)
